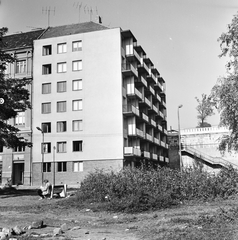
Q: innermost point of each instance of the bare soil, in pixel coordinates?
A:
(22, 207)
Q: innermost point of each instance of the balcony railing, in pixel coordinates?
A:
(158, 85)
(145, 117)
(160, 128)
(129, 70)
(163, 103)
(157, 141)
(147, 101)
(152, 90)
(161, 114)
(152, 122)
(158, 97)
(146, 154)
(155, 108)
(130, 109)
(132, 151)
(144, 67)
(140, 133)
(134, 93)
(141, 80)
(162, 144)
(154, 156)
(151, 77)
(149, 137)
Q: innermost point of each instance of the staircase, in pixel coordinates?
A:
(214, 162)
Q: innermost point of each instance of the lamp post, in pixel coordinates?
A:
(42, 152)
(54, 148)
(179, 140)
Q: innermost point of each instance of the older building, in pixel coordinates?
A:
(16, 163)
(98, 102)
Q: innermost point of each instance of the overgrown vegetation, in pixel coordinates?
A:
(135, 190)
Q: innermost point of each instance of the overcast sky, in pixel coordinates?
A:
(179, 36)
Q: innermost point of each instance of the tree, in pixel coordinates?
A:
(225, 92)
(205, 110)
(16, 99)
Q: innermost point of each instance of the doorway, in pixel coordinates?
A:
(18, 174)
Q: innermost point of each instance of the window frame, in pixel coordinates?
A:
(47, 167)
(77, 65)
(46, 50)
(77, 48)
(48, 148)
(78, 105)
(63, 126)
(46, 127)
(46, 69)
(46, 88)
(77, 85)
(20, 116)
(21, 68)
(62, 67)
(64, 84)
(62, 48)
(46, 104)
(78, 166)
(62, 166)
(64, 106)
(78, 147)
(80, 123)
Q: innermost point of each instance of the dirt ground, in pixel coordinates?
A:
(22, 207)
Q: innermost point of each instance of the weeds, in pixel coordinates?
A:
(135, 190)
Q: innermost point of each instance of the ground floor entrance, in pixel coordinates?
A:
(18, 173)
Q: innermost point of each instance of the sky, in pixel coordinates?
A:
(179, 36)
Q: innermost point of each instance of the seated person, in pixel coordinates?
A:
(45, 189)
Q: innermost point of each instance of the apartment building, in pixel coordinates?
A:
(98, 102)
(15, 164)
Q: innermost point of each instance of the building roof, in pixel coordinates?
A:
(72, 29)
(21, 40)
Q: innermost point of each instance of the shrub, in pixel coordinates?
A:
(134, 189)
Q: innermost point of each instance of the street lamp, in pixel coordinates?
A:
(42, 152)
(179, 140)
(54, 148)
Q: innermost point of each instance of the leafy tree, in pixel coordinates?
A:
(16, 98)
(205, 110)
(225, 92)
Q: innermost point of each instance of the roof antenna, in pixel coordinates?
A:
(48, 12)
(77, 5)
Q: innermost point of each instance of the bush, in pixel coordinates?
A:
(134, 190)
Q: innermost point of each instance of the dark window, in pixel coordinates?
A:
(46, 167)
(77, 146)
(46, 127)
(46, 69)
(46, 147)
(47, 50)
(62, 166)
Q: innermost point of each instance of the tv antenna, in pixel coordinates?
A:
(48, 11)
(77, 5)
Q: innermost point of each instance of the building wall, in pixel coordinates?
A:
(9, 157)
(101, 95)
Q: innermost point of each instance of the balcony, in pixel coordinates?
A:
(143, 68)
(157, 141)
(154, 156)
(134, 93)
(135, 132)
(166, 160)
(128, 70)
(164, 104)
(132, 151)
(158, 97)
(155, 109)
(158, 86)
(145, 117)
(162, 144)
(152, 122)
(147, 102)
(151, 90)
(151, 78)
(149, 137)
(161, 158)
(160, 128)
(130, 110)
(141, 81)
(133, 56)
(146, 154)
(161, 114)
(165, 131)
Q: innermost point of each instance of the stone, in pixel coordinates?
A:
(57, 231)
(37, 224)
(75, 228)
(115, 217)
(7, 231)
(45, 235)
(87, 232)
(3, 236)
(64, 227)
(17, 230)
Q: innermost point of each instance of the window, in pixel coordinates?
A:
(46, 147)
(77, 46)
(46, 167)
(46, 88)
(21, 66)
(61, 126)
(20, 119)
(77, 105)
(61, 147)
(77, 65)
(62, 48)
(62, 166)
(61, 67)
(61, 86)
(78, 166)
(19, 148)
(46, 69)
(61, 106)
(46, 127)
(46, 50)
(77, 85)
(77, 125)
(77, 146)
(46, 108)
